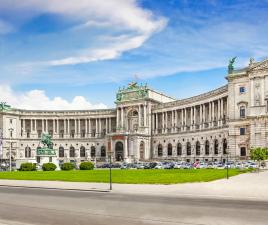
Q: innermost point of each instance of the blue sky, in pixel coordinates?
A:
(75, 54)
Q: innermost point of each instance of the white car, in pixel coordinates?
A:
(159, 166)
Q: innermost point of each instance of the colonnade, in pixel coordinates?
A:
(67, 127)
(190, 118)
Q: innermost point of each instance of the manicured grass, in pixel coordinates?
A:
(125, 176)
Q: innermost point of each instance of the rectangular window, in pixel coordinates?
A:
(242, 131)
(243, 151)
(242, 112)
(242, 90)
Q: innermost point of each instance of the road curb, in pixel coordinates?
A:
(51, 188)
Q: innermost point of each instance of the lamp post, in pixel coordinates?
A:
(110, 169)
(227, 166)
(10, 147)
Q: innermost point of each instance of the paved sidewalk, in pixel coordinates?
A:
(245, 186)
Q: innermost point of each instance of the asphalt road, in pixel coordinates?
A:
(23, 206)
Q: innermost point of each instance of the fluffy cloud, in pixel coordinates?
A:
(123, 15)
(37, 100)
(5, 27)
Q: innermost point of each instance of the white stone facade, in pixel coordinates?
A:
(148, 125)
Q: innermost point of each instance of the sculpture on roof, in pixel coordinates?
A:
(231, 65)
(4, 107)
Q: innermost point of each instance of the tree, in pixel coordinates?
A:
(259, 154)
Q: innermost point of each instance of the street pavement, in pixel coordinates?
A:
(27, 206)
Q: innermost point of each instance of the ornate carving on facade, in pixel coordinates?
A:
(132, 92)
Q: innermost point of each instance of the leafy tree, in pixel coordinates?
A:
(259, 154)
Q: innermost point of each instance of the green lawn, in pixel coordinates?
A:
(125, 176)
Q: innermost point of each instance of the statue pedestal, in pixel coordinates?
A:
(47, 155)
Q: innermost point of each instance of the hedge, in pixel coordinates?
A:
(67, 166)
(27, 167)
(86, 166)
(49, 167)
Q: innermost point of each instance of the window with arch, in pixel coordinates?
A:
(160, 150)
(243, 151)
(179, 149)
(197, 148)
(103, 151)
(242, 112)
(188, 148)
(224, 146)
(72, 151)
(169, 149)
(92, 151)
(82, 151)
(216, 147)
(28, 152)
(61, 152)
(207, 147)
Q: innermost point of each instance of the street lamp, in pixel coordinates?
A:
(10, 147)
(110, 168)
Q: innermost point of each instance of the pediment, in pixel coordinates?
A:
(259, 66)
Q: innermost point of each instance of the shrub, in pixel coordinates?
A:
(49, 167)
(27, 167)
(67, 166)
(86, 166)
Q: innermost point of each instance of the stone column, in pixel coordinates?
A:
(194, 118)
(117, 118)
(100, 127)
(163, 122)
(181, 119)
(126, 149)
(86, 128)
(145, 115)
(200, 117)
(191, 118)
(58, 127)
(122, 117)
(79, 128)
(89, 128)
(213, 113)
(166, 121)
(68, 126)
(176, 120)
(75, 128)
(110, 125)
(209, 114)
(219, 111)
(139, 115)
(97, 127)
(156, 123)
(172, 121)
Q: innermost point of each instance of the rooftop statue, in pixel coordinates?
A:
(4, 107)
(132, 85)
(231, 65)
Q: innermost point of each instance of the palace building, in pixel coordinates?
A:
(149, 125)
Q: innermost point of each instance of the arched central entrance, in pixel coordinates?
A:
(119, 151)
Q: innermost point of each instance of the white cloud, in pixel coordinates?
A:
(124, 15)
(38, 100)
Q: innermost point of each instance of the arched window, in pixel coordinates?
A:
(72, 151)
(61, 152)
(224, 146)
(27, 152)
(92, 151)
(216, 147)
(207, 147)
(179, 149)
(243, 151)
(160, 150)
(82, 151)
(242, 112)
(169, 149)
(103, 151)
(197, 148)
(188, 148)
